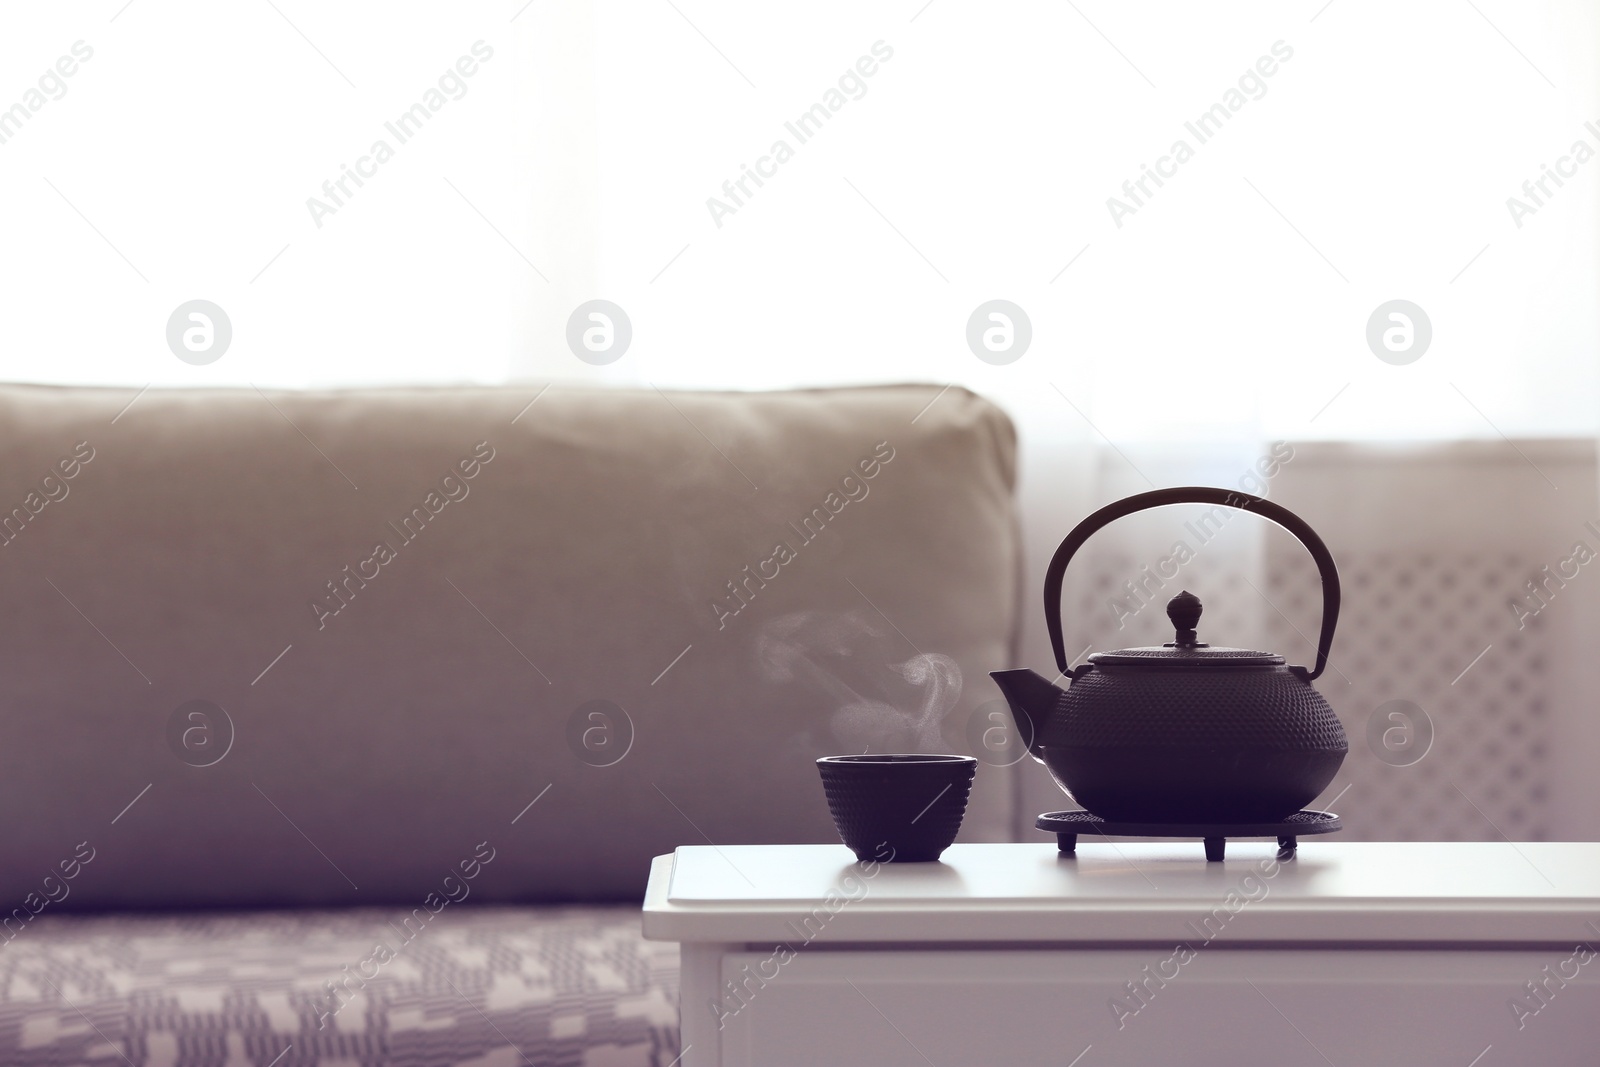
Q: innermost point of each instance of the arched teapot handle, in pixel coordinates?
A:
(1196, 494)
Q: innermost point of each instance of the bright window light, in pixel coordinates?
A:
(1346, 220)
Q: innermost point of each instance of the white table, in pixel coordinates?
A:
(1461, 955)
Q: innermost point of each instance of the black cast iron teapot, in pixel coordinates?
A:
(1186, 732)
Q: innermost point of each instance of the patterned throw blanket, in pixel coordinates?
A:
(486, 986)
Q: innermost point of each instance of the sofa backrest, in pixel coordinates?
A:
(337, 647)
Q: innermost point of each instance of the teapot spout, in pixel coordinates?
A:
(1032, 700)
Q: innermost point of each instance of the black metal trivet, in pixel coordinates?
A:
(1067, 825)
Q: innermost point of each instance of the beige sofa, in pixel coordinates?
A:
(415, 682)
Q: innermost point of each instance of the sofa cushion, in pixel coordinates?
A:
(319, 648)
(491, 987)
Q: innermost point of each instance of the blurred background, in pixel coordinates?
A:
(1232, 324)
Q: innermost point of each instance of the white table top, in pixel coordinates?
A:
(1547, 893)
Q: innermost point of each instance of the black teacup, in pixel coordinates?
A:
(897, 807)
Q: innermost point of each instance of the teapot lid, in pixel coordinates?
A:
(1184, 650)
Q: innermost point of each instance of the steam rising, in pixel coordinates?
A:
(846, 661)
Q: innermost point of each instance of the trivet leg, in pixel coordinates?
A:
(1067, 843)
(1214, 848)
(1287, 847)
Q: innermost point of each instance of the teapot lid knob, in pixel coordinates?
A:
(1184, 611)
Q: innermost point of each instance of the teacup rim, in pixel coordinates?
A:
(897, 759)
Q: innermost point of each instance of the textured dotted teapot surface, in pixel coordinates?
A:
(1257, 707)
